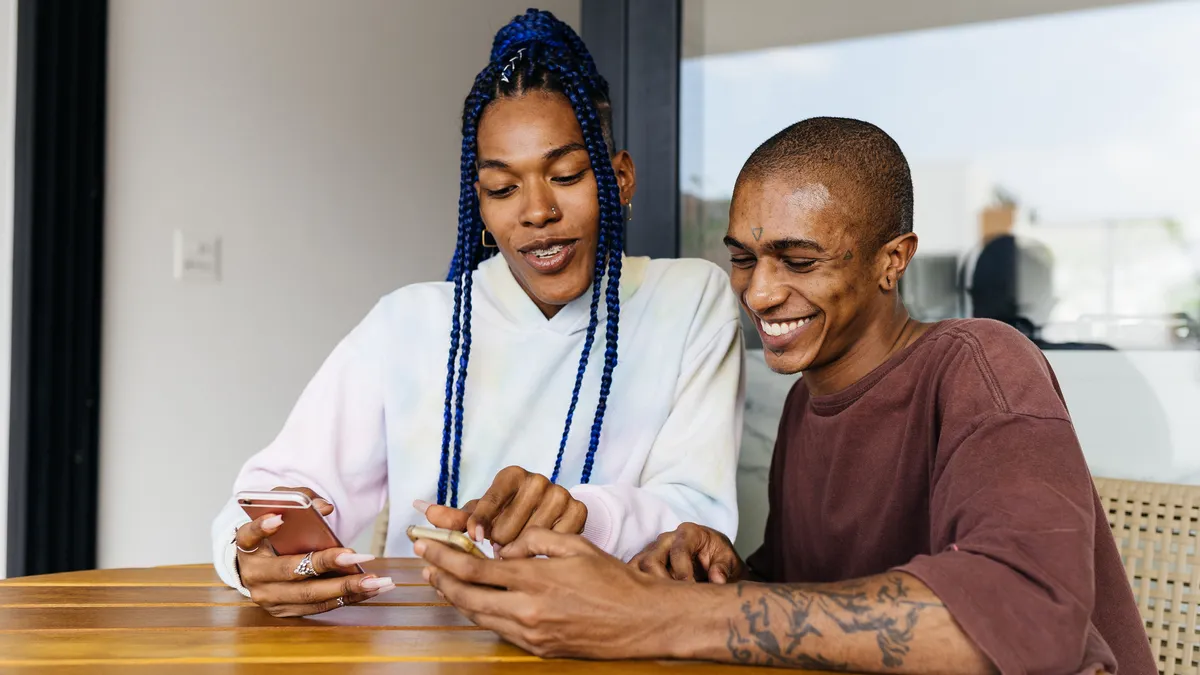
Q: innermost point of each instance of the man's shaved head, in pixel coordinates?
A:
(850, 163)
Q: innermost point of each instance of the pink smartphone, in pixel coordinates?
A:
(303, 530)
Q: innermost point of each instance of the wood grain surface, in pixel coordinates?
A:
(181, 619)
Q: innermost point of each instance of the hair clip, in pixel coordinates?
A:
(504, 72)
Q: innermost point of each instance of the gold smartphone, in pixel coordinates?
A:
(458, 540)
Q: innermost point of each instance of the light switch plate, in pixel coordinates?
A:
(197, 257)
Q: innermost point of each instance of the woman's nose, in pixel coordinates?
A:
(541, 209)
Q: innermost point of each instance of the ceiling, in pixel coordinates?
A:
(723, 26)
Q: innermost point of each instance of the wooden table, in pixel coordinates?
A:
(184, 620)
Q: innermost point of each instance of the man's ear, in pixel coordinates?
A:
(626, 174)
(896, 255)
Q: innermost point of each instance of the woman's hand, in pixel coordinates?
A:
(691, 553)
(516, 500)
(276, 586)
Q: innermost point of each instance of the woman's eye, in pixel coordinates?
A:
(742, 261)
(567, 180)
(500, 193)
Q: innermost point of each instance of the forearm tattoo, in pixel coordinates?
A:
(779, 622)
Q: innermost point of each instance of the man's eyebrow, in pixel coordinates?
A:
(787, 243)
(780, 245)
(549, 156)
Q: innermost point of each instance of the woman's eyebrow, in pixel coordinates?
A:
(563, 151)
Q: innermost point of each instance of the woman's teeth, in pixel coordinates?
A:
(777, 329)
(547, 252)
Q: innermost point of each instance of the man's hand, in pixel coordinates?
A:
(691, 553)
(578, 602)
(276, 587)
(516, 500)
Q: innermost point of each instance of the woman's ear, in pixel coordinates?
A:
(622, 165)
(897, 253)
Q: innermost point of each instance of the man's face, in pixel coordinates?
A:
(799, 270)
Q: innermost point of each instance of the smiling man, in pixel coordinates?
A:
(931, 510)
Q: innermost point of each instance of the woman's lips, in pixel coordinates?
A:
(550, 258)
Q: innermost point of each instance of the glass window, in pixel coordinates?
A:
(1056, 167)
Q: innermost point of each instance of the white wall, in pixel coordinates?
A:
(320, 141)
(8, 85)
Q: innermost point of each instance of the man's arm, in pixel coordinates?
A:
(583, 603)
(885, 623)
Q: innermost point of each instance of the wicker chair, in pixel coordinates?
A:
(379, 539)
(1156, 526)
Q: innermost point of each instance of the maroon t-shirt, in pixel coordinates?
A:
(956, 462)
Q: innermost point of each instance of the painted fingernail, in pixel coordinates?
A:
(478, 533)
(419, 548)
(385, 589)
(425, 574)
(350, 559)
(377, 584)
(273, 523)
(421, 505)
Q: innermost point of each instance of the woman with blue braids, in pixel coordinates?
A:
(550, 381)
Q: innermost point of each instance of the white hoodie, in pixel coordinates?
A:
(369, 425)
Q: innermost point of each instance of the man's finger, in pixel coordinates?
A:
(469, 597)
(446, 517)
(505, 487)
(537, 541)
(467, 567)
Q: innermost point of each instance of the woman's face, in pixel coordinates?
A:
(537, 195)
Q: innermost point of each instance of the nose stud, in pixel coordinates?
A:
(554, 210)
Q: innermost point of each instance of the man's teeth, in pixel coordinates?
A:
(777, 329)
(547, 252)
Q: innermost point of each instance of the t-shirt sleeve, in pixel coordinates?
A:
(1012, 522)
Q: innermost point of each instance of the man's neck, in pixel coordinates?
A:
(882, 338)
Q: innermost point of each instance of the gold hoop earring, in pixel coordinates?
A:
(488, 240)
